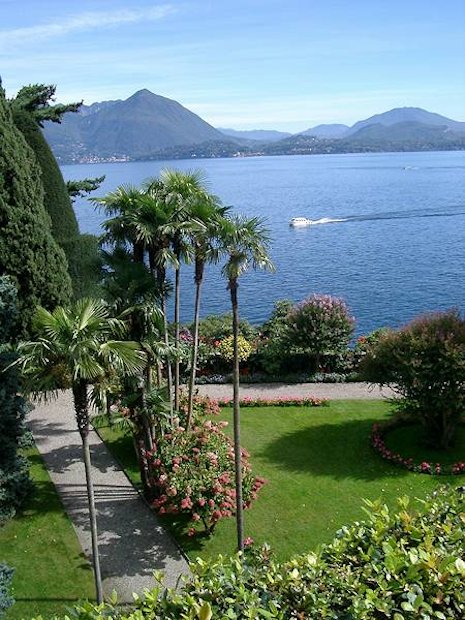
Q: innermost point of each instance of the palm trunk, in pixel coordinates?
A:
(177, 302)
(199, 267)
(82, 418)
(236, 417)
(169, 376)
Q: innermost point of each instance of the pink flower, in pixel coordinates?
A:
(195, 517)
(186, 503)
(248, 541)
(191, 531)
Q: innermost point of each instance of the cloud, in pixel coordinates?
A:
(82, 22)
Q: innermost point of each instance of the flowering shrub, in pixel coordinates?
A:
(424, 362)
(378, 434)
(282, 401)
(226, 348)
(192, 472)
(320, 326)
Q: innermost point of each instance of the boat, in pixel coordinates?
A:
(300, 221)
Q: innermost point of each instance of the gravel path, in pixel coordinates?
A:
(132, 543)
(333, 391)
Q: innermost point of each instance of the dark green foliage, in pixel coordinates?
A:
(56, 197)
(217, 327)
(82, 251)
(84, 265)
(6, 600)
(28, 251)
(403, 565)
(425, 363)
(272, 354)
(14, 477)
(83, 187)
(35, 99)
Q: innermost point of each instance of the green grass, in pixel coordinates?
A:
(409, 441)
(319, 466)
(51, 572)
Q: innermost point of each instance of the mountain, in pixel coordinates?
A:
(260, 135)
(134, 128)
(149, 126)
(334, 130)
(404, 115)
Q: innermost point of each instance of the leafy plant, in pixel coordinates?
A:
(319, 326)
(6, 600)
(405, 565)
(424, 362)
(193, 470)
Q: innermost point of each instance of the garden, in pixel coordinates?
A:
(223, 479)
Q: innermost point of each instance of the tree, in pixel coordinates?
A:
(36, 98)
(245, 242)
(74, 349)
(182, 191)
(31, 108)
(208, 216)
(15, 484)
(28, 251)
(319, 326)
(424, 362)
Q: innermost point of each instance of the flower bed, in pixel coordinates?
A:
(378, 434)
(282, 401)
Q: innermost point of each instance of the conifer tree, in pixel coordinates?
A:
(28, 251)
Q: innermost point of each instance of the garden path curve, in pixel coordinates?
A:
(132, 543)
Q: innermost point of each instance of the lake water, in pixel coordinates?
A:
(392, 240)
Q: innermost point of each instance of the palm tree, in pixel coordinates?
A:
(76, 348)
(246, 242)
(120, 230)
(182, 191)
(208, 217)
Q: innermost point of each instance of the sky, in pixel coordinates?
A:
(244, 64)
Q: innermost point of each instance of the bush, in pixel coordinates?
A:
(425, 363)
(403, 565)
(6, 600)
(15, 484)
(320, 326)
(226, 349)
(192, 472)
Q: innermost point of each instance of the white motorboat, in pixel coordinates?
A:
(300, 221)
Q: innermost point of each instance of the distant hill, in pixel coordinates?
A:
(334, 130)
(405, 115)
(259, 135)
(134, 128)
(148, 126)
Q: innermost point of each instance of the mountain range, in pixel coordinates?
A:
(149, 126)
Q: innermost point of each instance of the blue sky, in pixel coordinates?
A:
(283, 64)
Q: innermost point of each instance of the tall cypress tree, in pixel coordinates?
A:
(28, 251)
(31, 108)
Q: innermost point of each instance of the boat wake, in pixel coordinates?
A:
(449, 211)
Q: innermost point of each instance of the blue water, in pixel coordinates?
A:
(397, 249)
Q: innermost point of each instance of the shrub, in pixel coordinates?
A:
(6, 600)
(281, 401)
(28, 251)
(403, 565)
(320, 326)
(192, 472)
(425, 363)
(226, 348)
(15, 484)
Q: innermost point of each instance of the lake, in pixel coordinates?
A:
(391, 241)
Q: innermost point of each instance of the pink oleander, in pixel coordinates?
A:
(282, 401)
(378, 432)
(192, 471)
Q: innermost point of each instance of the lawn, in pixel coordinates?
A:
(51, 572)
(319, 466)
